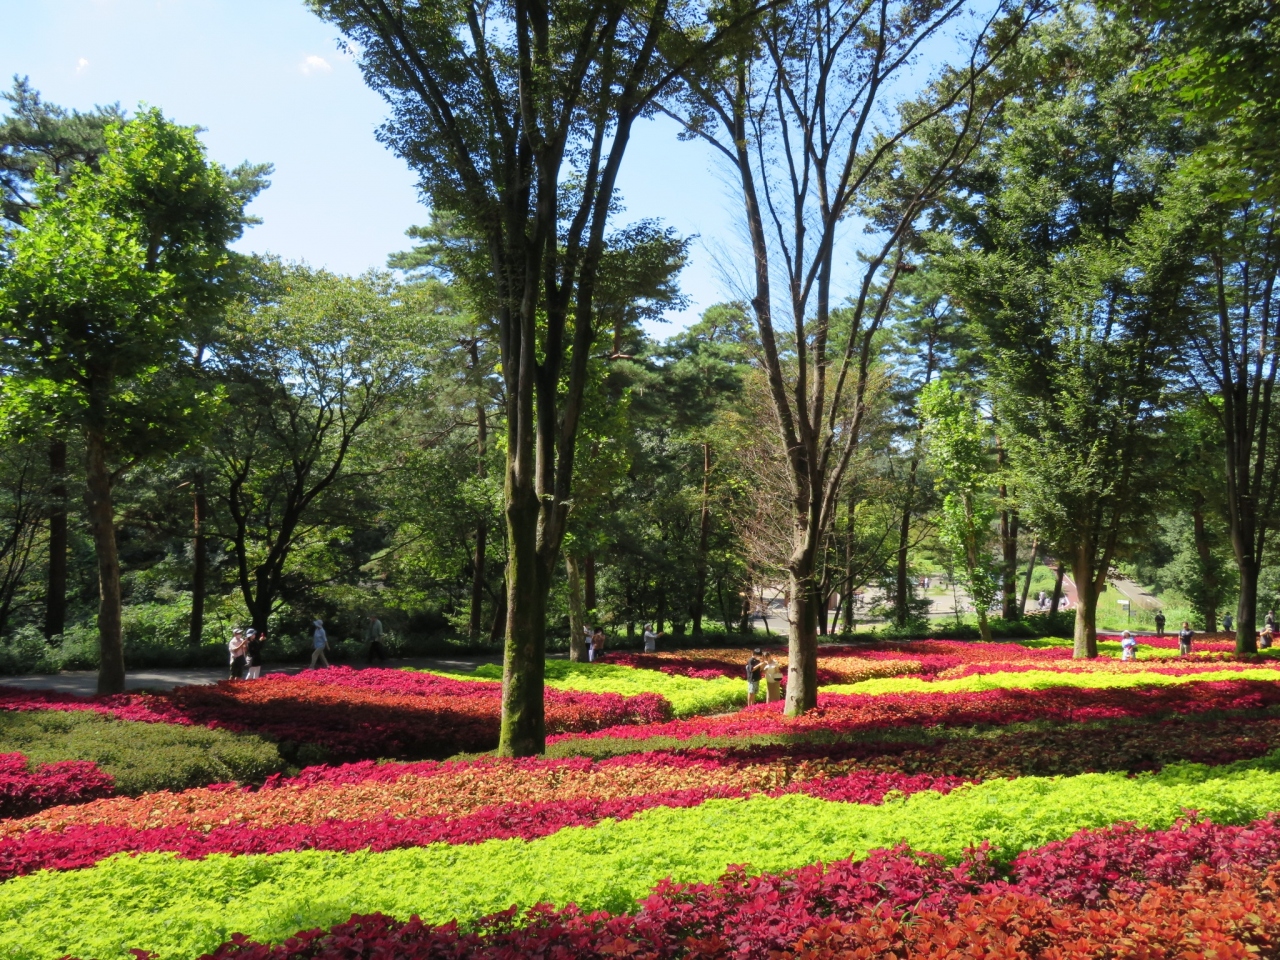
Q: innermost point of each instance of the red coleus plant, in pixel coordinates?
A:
(25, 788)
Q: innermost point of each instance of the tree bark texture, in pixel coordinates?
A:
(482, 528)
(1088, 589)
(101, 512)
(1057, 589)
(55, 596)
(1031, 568)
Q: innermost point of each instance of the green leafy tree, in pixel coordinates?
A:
(102, 293)
(958, 447)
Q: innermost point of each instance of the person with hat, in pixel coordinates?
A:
(319, 643)
(755, 667)
(1128, 646)
(236, 648)
(253, 642)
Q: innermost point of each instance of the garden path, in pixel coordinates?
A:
(85, 681)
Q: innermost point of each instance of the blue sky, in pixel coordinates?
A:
(267, 81)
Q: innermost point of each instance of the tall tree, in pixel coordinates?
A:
(308, 365)
(796, 114)
(102, 292)
(958, 445)
(39, 138)
(1075, 278)
(517, 118)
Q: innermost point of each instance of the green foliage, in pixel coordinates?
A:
(142, 757)
(958, 448)
(687, 695)
(184, 908)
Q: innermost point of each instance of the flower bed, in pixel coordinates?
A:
(839, 714)
(26, 787)
(352, 714)
(839, 904)
(183, 907)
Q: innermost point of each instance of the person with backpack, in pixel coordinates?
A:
(755, 666)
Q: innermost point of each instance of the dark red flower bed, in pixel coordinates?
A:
(1195, 890)
(24, 790)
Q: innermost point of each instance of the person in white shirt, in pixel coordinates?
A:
(319, 642)
(650, 639)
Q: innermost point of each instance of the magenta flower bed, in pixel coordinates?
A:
(24, 791)
(761, 917)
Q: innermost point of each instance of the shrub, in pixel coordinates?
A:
(139, 757)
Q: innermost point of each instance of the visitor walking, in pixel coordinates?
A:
(1227, 621)
(1184, 640)
(319, 643)
(772, 680)
(597, 644)
(755, 667)
(1159, 623)
(1128, 646)
(650, 639)
(253, 643)
(236, 648)
(373, 637)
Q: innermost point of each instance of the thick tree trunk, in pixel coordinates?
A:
(1247, 611)
(523, 731)
(1057, 588)
(802, 646)
(102, 525)
(1205, 553)
(1086, 635)
(199, 560)
(577, 618)
(704, 537)
(55, 596)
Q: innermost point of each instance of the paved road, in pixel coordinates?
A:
(86, 681)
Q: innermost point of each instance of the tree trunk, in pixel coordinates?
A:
(102, 525)
(482, 528)
(901, 603)
(1204, 552)
(1247, 611)
(802, 645)
(1057, 588)
(55, 597)
(577, 620)
(662, 610)
(704, 536)
(1009, 575)
(1086, 635)
(498, 628)
(200, 509)
(1026, 583)
(523, 731)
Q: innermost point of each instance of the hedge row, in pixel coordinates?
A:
(139, 757)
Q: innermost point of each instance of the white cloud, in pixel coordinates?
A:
(314, 64)
(81, 65)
